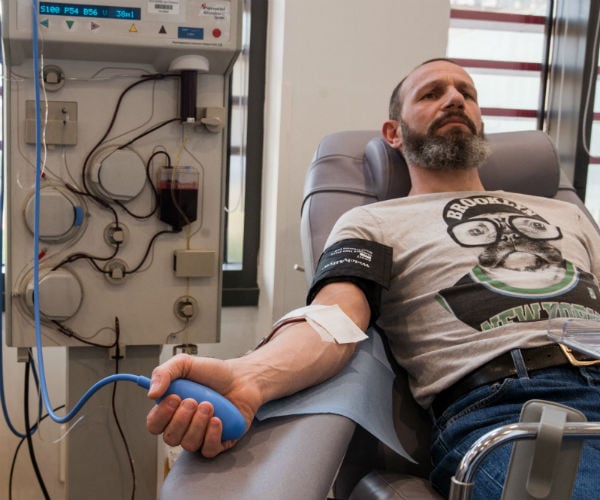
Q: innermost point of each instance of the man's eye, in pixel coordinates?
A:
(469, 93)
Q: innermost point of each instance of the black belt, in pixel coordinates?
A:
(499, 368)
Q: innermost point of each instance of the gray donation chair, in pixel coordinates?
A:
(313, 457)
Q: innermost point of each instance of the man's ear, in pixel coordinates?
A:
(392, 133)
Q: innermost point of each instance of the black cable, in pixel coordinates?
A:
(12, 468)
(83, 255)
(28, 433)
(34, 428)
(152, 186)
(135, 216)
(102, 202)
(149, 164)
(65, 330)
(114, 411)
(154, 190)
(91, 258)
(137, 268)
(143, 79)
(16, 454)
(149, 131)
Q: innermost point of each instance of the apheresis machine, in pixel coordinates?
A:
(114, 157)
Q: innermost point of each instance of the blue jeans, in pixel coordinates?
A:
(497, 404)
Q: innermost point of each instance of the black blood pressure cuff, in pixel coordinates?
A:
(365, 263)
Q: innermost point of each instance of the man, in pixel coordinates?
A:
(435, 253)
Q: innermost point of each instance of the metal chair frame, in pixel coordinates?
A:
(464, 479)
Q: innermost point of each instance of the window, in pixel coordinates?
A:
(591, 147)
(503, 44)
(506, 46)
(245, 161)
(3, 256)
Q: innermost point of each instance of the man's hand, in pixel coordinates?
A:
(188, 423)
(295, 358)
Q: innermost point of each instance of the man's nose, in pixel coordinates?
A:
(454, 98)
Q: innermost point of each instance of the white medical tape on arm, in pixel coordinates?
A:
(330, 322)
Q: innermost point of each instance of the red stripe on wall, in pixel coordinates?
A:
(511, 113)
(501, 65)
(496, 17)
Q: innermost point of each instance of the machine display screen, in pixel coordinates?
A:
(98, 11)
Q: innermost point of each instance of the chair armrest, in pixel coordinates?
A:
(290, 457)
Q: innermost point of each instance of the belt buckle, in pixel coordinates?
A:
(574, 361)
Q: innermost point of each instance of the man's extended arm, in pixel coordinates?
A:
(295, 358)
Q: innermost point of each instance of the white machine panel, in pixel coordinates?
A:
(149, 31)
(132, 191)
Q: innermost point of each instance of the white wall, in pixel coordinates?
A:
(331, 66)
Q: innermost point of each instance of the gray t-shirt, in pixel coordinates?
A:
(474, 275)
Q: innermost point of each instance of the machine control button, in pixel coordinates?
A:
(217, 33)
(190, 33)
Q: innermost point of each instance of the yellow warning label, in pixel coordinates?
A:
(133, 29)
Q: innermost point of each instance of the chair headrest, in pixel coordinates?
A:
(523, 162)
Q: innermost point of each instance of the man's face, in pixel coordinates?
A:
(440, 123)
(439, 98)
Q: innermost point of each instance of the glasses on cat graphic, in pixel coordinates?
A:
(486, 231)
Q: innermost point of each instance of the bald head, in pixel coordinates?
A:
(397, 97)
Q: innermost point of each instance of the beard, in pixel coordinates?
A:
(457, 150)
